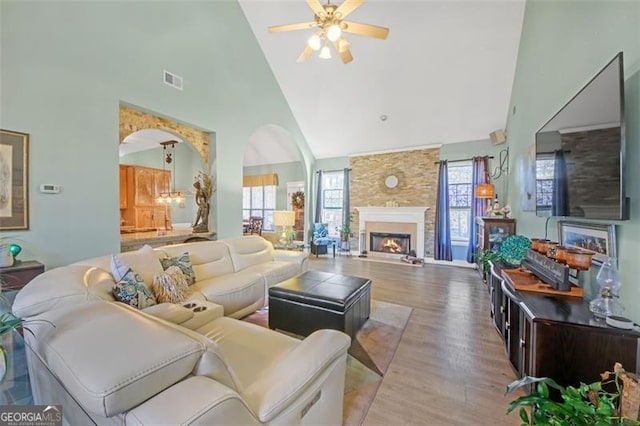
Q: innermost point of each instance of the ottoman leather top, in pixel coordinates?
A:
(322, 289)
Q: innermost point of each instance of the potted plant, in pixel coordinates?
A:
(345, 233)
(606, 402)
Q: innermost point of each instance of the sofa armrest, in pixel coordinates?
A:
(171, 312)
(198, 400)
(191, 314)
(299, 257)
(274, 391)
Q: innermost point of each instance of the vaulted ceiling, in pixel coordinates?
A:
(443, 75)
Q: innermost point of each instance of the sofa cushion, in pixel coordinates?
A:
(249, 251)
(208, 259)
(144, 261)
(116, 335)
(234, 291)
(67, 285)
(133, 291)
(170, 286)
(183, 262)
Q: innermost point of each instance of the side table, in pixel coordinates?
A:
(17, 276)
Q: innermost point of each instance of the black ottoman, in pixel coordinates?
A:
(316, 300)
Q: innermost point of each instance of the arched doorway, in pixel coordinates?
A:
(274, 156)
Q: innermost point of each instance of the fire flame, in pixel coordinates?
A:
(391, 246)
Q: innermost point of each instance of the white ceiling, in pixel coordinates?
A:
(443, 75)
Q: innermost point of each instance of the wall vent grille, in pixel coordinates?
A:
(172, 80)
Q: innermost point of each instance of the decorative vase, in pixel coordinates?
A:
(6, 257)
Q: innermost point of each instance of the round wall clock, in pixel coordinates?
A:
(391, 181)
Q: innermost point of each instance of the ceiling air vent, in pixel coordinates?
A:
(173, 80)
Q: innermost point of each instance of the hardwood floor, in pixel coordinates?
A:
(450, 367)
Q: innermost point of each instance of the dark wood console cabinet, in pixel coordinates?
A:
(557, 337)
(17, 276)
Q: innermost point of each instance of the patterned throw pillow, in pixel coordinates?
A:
(132, 290)
(170, 286)
(184, 263)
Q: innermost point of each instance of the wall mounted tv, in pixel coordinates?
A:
(580, 152)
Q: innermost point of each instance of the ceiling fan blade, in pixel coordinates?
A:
(346, 8)
(366, 30)
(317, 7)
(292, 27)
(342, 47)
(305, 54)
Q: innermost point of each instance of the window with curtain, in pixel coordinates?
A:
(332, 200)
(544, 182)
(460, 184)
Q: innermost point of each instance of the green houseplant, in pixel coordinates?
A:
(598, 403)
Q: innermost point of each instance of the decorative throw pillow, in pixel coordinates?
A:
(144, 261)
(132, 290)
(183, 262)
(170, 286)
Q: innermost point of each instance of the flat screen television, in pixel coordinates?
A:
(580, 152)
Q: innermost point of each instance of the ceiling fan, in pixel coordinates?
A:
(329, 20)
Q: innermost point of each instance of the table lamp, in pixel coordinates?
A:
(284, 220)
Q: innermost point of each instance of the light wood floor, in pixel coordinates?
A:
(450, 367)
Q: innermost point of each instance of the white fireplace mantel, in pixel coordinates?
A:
(397, 215)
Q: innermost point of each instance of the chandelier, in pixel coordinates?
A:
(169, 157)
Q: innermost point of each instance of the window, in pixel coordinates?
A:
(259, 201)
(544, 182)
(332, 197)
(460, 184)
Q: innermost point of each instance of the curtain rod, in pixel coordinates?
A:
(465, 159)
(336, 170)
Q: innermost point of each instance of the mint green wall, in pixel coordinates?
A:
(482, 147)
(187, 162)
(287, 172)
(66, 66)
(563, 45)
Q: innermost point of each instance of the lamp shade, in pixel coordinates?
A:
(284, 218)
(485, 190)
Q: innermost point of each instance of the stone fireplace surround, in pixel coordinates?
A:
(409, 220)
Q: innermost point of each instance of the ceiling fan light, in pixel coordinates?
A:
(334, 32)
(314, 42)
(325, 53)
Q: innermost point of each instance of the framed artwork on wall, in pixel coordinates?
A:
(599, 239)
(14, 174)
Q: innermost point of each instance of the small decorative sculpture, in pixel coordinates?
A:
(204, 189)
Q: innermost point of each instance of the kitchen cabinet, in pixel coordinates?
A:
(143, 185)
(123, 186)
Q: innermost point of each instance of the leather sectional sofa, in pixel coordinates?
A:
(106, 362)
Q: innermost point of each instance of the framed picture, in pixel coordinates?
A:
(14, 173)
(599, 239)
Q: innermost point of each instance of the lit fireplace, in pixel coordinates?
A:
(384, 242)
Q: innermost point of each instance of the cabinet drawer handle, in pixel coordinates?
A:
(522, 343)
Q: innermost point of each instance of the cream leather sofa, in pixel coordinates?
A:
(108, 363)
(234, 273)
